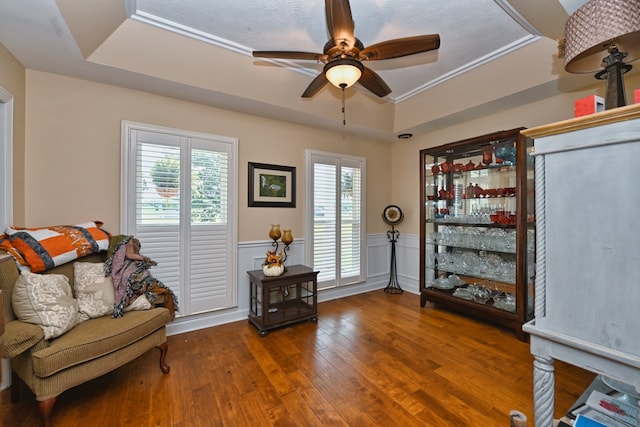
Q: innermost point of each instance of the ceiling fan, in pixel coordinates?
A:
(343, 54)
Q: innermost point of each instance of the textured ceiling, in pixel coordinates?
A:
(200, 50)
(471, 31)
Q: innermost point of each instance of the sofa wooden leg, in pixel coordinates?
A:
(46, 410)
(15, 387)
(164, 347)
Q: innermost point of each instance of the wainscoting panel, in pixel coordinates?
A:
(408, 262)
(251, 255)
(378, 256)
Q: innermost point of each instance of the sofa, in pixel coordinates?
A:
(88, 350)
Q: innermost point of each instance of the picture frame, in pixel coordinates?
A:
(272, 186)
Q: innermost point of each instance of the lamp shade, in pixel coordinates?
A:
(595, 27)
(343, 72)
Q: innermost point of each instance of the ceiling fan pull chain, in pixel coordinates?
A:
(344, 116)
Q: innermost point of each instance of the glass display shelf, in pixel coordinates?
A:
(479, 225)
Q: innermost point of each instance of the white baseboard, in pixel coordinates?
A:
(378, 262)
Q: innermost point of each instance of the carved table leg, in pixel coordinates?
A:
(164, 347)
(46, 410)
(543, 391)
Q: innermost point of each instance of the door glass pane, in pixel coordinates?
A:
(208, 186)
(157, 184)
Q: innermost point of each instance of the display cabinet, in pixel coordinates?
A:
(477, 232)
(282, 300)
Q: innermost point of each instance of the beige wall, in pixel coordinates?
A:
(405, 157)
(73, 152)
(73, 143)
(12, 80)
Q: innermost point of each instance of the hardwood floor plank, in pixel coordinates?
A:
(206, 411)
(374, 370)
(226, 395)
(371, 359)
(299, 411)
(255, 413)
(322, 409)
(342, 392)
(274, 363)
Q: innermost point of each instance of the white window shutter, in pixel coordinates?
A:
(335, 220)
(183, 186)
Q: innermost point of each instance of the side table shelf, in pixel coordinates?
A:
(277, 301)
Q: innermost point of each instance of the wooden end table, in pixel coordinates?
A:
(277, 301)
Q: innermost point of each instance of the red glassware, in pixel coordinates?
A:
(445, 167)
(477, 191)
(487, 155)
(469, 192)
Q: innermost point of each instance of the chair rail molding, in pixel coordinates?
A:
(251, 255)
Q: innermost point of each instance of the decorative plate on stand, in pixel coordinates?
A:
(392, 215)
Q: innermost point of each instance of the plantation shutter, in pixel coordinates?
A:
(325, 221)
(351, 222)
(336, 227)
(180, 187)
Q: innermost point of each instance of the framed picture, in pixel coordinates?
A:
(272, 186)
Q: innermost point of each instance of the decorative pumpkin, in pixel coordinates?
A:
(273, 264)
(272, 270)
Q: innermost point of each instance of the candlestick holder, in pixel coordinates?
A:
(273, 264)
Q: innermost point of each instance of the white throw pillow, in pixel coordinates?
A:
(45, 300)
(140, 303)
(93, 290)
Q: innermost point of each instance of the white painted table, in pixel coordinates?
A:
(587, 251)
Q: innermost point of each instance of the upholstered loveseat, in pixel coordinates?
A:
(88, 350)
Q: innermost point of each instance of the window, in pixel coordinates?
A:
(335, 218)
(178, 199)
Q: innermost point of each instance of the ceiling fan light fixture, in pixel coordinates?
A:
(343, 72)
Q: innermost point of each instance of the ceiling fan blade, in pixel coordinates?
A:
(374, 83)
(400, 47)
(340, 22)
(317, 84)
(283, 54)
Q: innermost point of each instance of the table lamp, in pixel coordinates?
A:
(603, 36)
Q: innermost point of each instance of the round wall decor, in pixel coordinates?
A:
(392, 215)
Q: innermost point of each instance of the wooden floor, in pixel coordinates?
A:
(371, 360)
